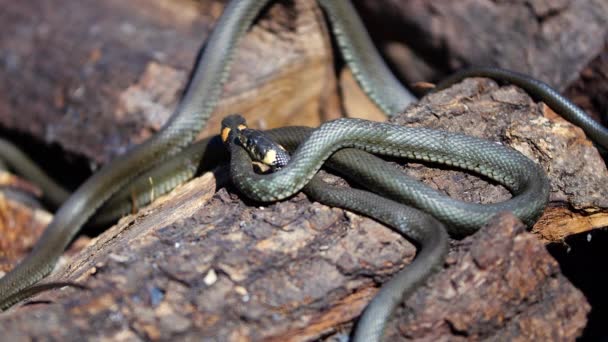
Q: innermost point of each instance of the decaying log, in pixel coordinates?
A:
(197, 264)
(96, 76)
(500, 284)
(291, 271)
(564, 43)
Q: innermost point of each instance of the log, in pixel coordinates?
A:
(564, 43)
(482, 108)
(197, 263)
(497, 286)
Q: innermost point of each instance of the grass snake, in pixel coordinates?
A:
(521, 176)
(423, 229)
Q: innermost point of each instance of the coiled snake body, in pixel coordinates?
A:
(525, 180)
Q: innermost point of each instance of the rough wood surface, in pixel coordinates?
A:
(195, 264)
(564, 43)
(479, 107)
(97, 76)
(291, 271)
(500, 284)
(21, 225)
(551, 40)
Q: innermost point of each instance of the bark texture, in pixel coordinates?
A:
(551, 40)
(563, 43)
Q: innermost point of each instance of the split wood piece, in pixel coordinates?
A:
(196, 265)
(500, 284)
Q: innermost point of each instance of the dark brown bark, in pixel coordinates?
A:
(479, 107)
(500, 284)
(564, 43)
(551, 40)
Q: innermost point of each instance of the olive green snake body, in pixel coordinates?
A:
(526, 181)
(23, 165)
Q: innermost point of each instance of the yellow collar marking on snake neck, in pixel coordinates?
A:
(225, 133)
(270, 157)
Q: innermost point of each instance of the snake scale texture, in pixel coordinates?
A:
(424, 230)
(522, 177)
(525, 179)
(344, 141)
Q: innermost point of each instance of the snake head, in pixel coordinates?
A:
(260, 147)
(232, 123)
